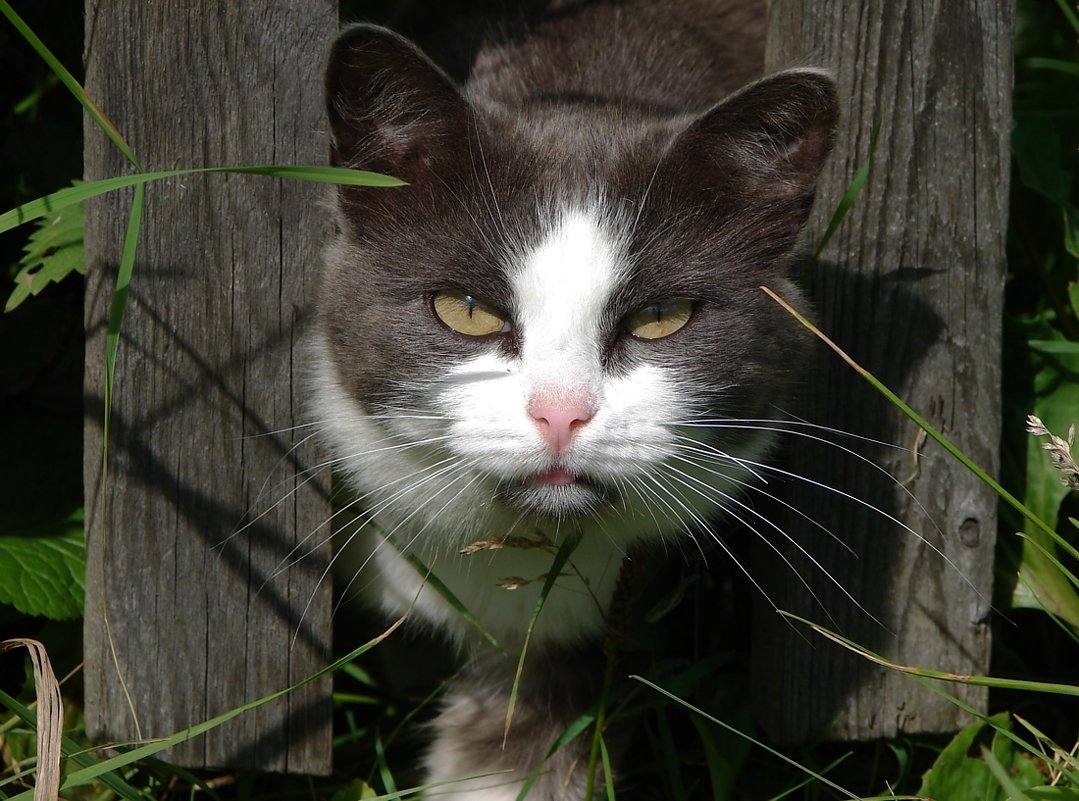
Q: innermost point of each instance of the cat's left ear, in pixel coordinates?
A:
(768, 142)
(391, 109)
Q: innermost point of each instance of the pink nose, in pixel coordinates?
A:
(558, 419)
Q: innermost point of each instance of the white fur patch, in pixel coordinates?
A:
(562, 289)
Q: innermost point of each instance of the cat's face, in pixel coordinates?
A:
(554, 331)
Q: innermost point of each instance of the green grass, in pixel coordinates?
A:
(688, 708)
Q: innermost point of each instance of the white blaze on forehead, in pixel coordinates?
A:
(562, 288)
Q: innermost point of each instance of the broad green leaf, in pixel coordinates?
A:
(955, 775)
(1036, 145)
(1071, 230)
(1055, 64)
(44, 576)
(1005, 782)
(1037, 148)
(1053, 794)
(354, 791)
(53, 251)
(1024, 771)
(1055, 347)
(1056, 402)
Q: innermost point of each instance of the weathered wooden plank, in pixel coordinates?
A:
(912, 287)
(194, 604)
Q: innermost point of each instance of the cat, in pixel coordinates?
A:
(540, 338)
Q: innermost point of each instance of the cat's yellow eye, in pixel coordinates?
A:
(658, 320)
(466, 315)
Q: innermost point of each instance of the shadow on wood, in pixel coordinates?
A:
(880, 568)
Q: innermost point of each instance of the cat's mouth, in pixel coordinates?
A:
(556, 477)
(555, 492)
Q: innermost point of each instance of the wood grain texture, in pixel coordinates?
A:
(197, 599)
(912, 287)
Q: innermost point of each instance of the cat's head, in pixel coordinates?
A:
(558, 320)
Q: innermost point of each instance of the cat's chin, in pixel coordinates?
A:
(557, 494)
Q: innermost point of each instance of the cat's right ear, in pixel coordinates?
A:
(391, 109)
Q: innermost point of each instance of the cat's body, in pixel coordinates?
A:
(540, 336)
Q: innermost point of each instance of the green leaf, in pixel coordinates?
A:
(1055, 64)
(45, 576)
(608, 773)
(1071, 230)
(53, 251)
(955, 775)
(1036, 145)
(354, 791)
(1006, 783)
(432, 579)
(1053, 794)
(1004, 771)
(1037, 148)
(1041, 583)
(1055, 347)
(1023, 771)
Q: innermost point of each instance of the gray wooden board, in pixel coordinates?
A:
(912, 287)
(197, 599)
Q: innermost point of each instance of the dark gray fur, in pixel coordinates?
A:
(640, 101)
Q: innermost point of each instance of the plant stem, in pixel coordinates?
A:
(601, 718)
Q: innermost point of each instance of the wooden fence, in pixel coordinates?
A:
(912, 286)
(195, 601)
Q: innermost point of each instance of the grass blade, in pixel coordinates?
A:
(92, 772)
(1069, 14)
(68, 196)
(119, 296)
(72, 751)
(431, 578)
(1000, 773)
(935, 435)
(851, 194)
(68, 80)
(824, 780)
(557, 564)
(608, 774)
(569, 735)
(924, 673)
